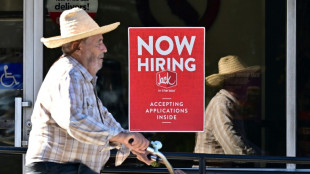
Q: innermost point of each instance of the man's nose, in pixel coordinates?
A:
(104, 48)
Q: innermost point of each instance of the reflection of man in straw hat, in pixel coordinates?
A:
(224, 133)
(72, 132)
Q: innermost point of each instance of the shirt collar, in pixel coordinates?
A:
(83, 70)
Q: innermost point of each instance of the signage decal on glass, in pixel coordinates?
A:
(11, 76)
(166, 79)
(56, 7)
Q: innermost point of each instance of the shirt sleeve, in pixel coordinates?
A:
(227, 131)
(69, 112)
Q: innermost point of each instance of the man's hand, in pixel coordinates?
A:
(139, 142)
(143, 157)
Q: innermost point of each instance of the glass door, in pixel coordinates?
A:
(11, 77)
(20, 75)
(11, 66)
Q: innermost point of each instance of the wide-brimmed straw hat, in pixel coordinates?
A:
(76, 24)
(228, 66)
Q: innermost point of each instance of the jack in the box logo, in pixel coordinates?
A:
(166, 79)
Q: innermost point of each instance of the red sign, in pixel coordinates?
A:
(166, 79)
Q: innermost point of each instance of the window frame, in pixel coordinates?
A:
(291, 119)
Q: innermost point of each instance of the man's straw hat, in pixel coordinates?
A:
(227, 66)
(76, 24)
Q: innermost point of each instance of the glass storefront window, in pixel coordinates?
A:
(11, 57)
(303, 79)
(252, 30)
(11, 77)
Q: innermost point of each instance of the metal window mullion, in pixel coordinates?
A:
(28, 59)
(38, 46)
(33, 56)
(28, 54)
(291, 82)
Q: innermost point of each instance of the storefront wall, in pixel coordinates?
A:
(256, 31)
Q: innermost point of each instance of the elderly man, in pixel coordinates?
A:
(72, 132)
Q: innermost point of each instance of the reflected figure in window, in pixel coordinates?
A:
(224, 130)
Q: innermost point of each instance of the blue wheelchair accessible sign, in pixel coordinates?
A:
(11, 76)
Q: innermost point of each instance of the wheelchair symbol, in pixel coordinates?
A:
(8, 75)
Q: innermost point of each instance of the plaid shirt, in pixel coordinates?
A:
(69, 122)
(223, 133)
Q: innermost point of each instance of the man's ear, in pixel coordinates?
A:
(76, 45)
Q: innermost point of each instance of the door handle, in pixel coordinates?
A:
(19, 104)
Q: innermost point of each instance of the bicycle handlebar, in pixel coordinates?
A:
(163, 158)
(160, 155)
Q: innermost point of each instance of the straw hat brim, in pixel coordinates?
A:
(57, 41)
(217, 79)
